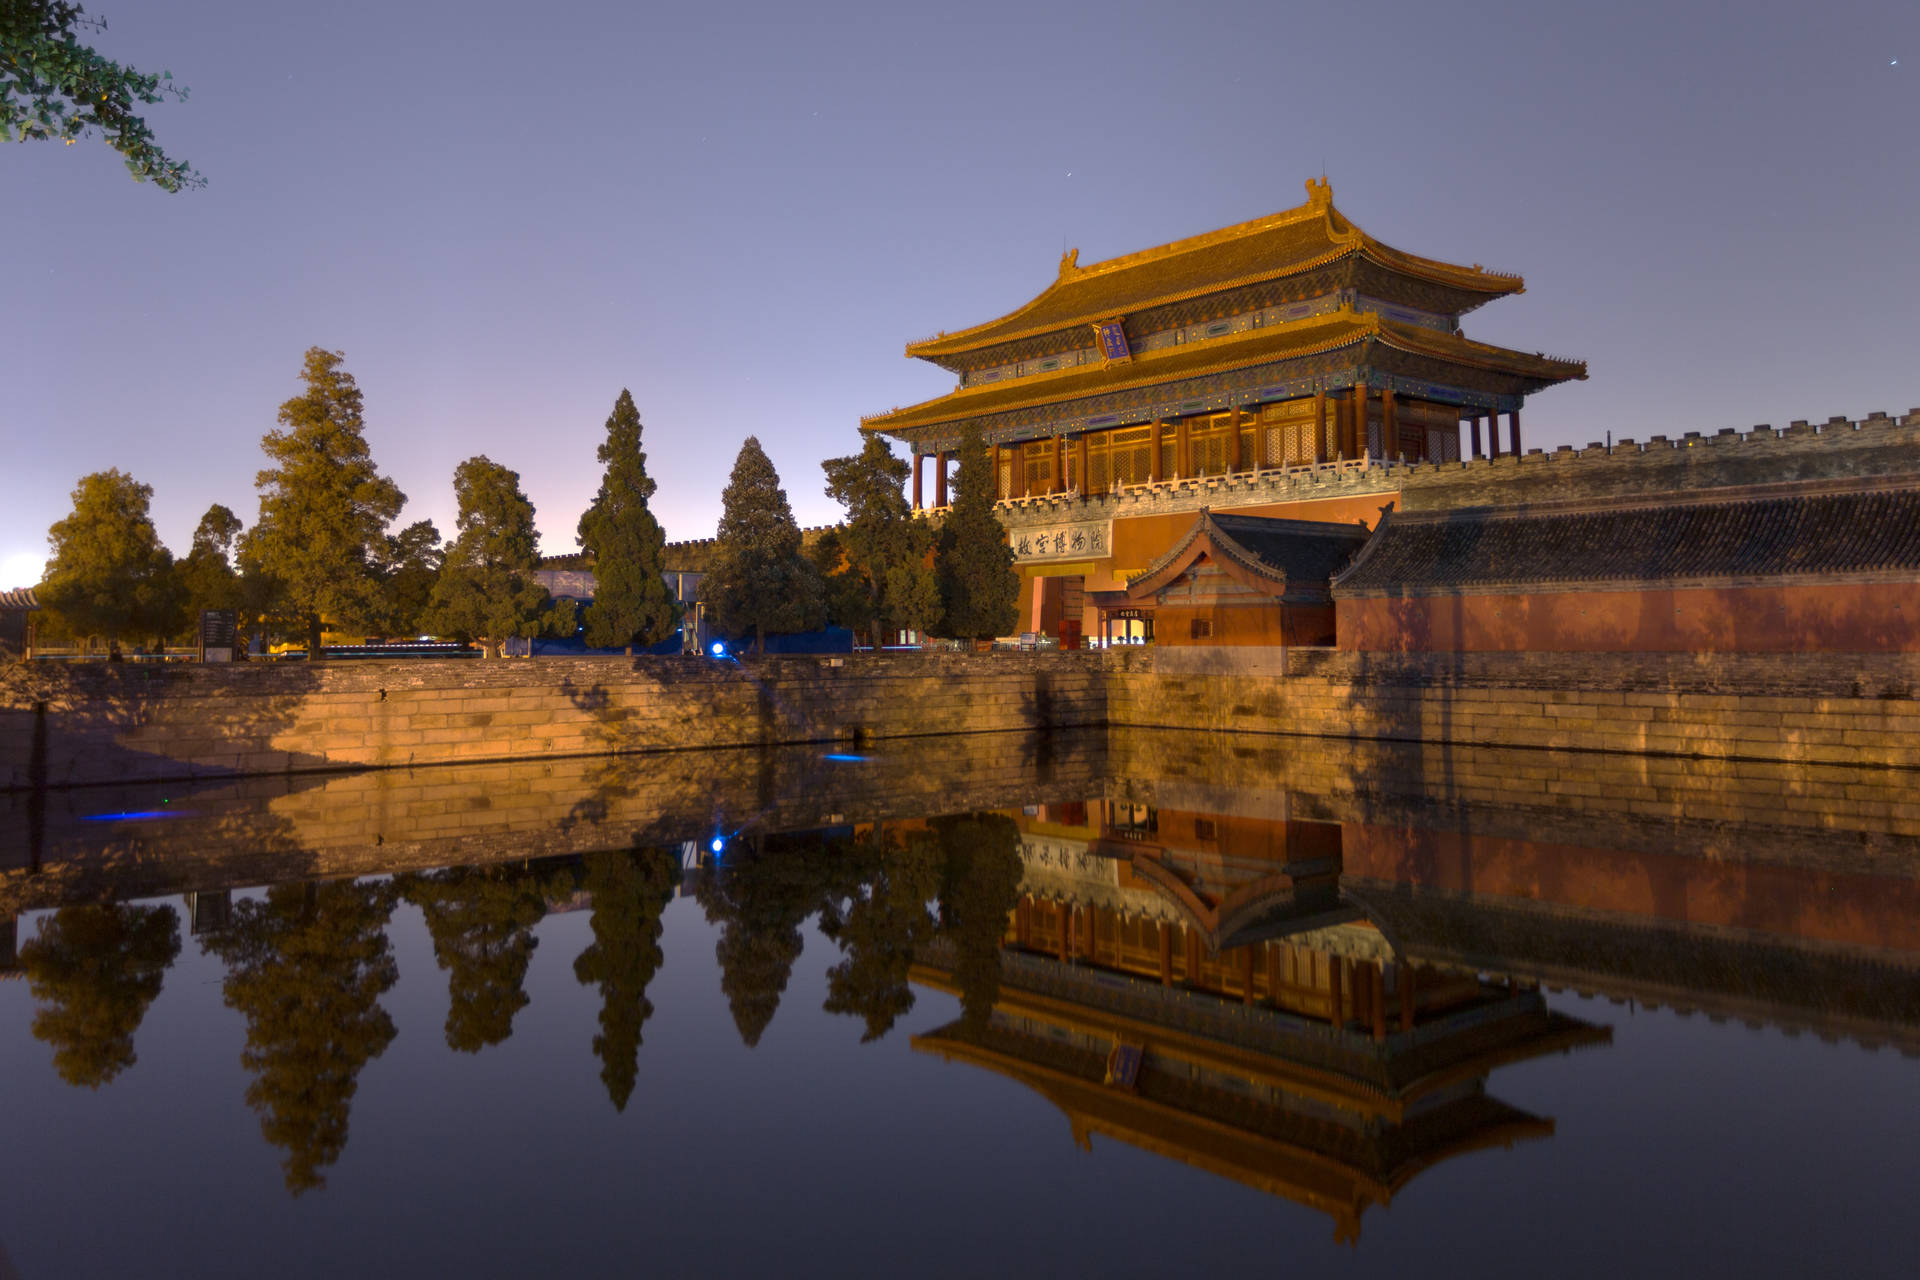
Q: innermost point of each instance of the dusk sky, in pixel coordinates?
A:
(503, 214)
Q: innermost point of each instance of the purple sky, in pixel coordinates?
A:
(503, 214)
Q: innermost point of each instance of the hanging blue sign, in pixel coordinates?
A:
(1113, 340)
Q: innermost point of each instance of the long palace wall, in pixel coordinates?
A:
(96, 724)
(99, 723)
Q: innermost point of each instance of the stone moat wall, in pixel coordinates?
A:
(100, 723)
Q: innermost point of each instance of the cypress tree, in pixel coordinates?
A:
(486, 590)
(324, 509)
(760, 581)
(972, 563)
(631, 603)
(108, 574)
(880, 579)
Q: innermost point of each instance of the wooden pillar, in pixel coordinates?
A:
(1389, 429)
(1335, 1013)
(1233, 441)
(1081, 463)
(1359, 424)
(1406, 997)
(1377, 1000)
(1153, 463)
(1059, 466)
(1193, 953)
(918, 459)
(1023, 921)
(1019, 486)
(1259, 441)
(1064, 915)
(1513, 425)
(1493, 435)
(1320, 426)
(1166, 954)
(939, 479)
(1182, 451)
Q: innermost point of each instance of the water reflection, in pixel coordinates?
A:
(1295, 965)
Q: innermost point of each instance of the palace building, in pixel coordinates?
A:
(1288, 367)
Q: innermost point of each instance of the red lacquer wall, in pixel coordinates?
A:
(1855, 618)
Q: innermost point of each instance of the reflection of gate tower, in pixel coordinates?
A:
(1194, 985)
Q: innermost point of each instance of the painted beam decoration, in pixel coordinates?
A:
(1113, 340)
(1065, 541)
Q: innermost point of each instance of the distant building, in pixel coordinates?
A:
(16, 621)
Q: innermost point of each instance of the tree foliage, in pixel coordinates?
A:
(97, 968)
(881, 928)
(409, 566)
(481, 920)
(54, 87)
(980, 884)
(324, 508)
(631, 603)
(876, 565)
(760, 583)
(630, 892)
(973, 565)
(486, 590)
(307, 967)
(207, 575)
(108, 574)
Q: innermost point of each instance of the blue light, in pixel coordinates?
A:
(718, 649)
(834, 755)
(136, 815)
(718, 844)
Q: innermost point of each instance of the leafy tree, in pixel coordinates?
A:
(882, 580)
(52, 86)
(486, 590)
(409, 566)
(307, 967)
(630, 892)
(882, 929)
(973, 565)
(760, 582)
(97, 967)
(481, 920)
(324, 508)
(631, 603)
(108, 574)
(207, 575)
(979, 886)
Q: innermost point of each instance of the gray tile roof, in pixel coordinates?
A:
(21, 599)
(1826, 532)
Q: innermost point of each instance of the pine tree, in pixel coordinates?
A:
(486, 590)
(108, 574)
(980, 886)
(207, 575)
(97, 967)
(881, 930)
(880, 580)
(972, 564)
(323, 506)
(760, 581)
(631, 603)
(409, 567)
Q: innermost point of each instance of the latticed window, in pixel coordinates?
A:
(1207, 438)
(1098, 470)
(1169, 453)
(1003, 468)
(1038, 460)
(1129, 457)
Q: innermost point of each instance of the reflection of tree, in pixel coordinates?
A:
(481, 919)
(759, 897)
(307, 966)
(980, 885)
(97, 968)
(878, 932)
(630, 891)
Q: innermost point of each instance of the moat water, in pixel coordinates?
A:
(1139, 1004)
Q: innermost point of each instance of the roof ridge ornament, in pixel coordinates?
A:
(1070, 263)
(1319, 191)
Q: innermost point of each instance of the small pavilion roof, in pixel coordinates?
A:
(1282, 244)
(1310, 336)
(1297, 557)
(1858, 530)
(23, 598)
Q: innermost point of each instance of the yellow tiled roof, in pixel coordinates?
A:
(1309, 336)
(1268, 248)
